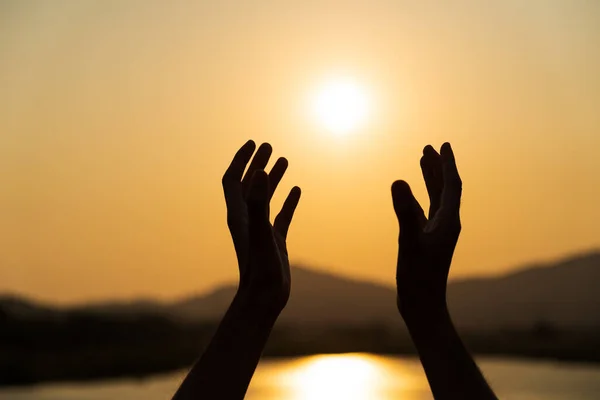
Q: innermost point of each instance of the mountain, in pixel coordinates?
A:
(11, 304)
(565, 294)
(562, 294)
(317, 298)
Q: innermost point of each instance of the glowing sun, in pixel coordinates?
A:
(341, 106)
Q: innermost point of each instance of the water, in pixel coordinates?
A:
(349, 377)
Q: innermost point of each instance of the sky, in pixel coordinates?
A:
(118, 119)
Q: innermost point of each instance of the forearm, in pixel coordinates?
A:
(225, 369)
(450, 369)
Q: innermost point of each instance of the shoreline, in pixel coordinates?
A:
(32, 384)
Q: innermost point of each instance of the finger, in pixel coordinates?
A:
(260, 161)
(284, 218)
(238, 164)
(258, 196)
(261, 239)
(452, 190)
(409, 212)
(233, 174)
(431, 166)
(276, 174)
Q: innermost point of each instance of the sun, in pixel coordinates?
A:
(341, 106)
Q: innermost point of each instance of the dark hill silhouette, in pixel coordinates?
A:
(25, 309)
(317, 298)
(525, 314)
(565, 293)
(562, 294)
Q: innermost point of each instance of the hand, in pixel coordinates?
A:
(260, 247)
(226, 367)
(426, 245)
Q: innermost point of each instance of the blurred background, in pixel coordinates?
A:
(118, 119)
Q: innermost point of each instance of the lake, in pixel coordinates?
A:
(348, 377)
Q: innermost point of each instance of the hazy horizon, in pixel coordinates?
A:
(119, 118)
(311, 268)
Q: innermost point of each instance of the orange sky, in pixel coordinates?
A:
(117, 120)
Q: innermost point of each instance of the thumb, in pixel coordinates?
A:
(406, 208)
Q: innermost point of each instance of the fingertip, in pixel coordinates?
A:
(446, 149)
(266, 147)
(401, 187)
(248, 149)
(294, 196)
(245, 152)
(278, 170)
(296, 193)
(283, 162)
(401, 193)
(428, 149)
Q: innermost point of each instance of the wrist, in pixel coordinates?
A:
(258, 306)
(426, 319)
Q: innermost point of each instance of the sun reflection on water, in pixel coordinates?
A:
(342, 376)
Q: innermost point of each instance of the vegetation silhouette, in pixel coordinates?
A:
(86, 345)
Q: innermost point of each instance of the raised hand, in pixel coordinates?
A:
(260, 247)
(226, 367)
(426, 247)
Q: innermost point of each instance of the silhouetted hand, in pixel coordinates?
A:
(426, 245)
(226, 367)
(260, 247)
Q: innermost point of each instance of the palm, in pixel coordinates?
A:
(241, 238)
